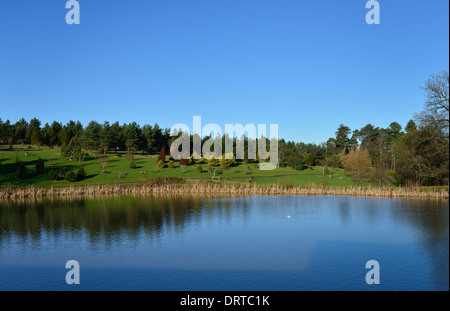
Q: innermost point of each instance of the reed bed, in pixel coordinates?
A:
(221, 189)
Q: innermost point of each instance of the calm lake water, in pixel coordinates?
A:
(233, 243)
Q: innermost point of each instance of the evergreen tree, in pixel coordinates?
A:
(40, 166)
(36, 137)
(20, 129)
(21, 171)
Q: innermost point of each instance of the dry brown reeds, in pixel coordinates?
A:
(181, 187)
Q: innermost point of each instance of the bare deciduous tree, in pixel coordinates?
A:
(437, 101)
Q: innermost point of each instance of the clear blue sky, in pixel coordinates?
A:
(305, 65)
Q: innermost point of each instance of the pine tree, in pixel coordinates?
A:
(40, 166)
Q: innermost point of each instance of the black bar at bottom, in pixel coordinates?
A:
(212, 300)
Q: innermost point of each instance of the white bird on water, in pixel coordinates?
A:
(288, 216)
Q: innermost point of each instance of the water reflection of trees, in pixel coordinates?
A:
(110, 217)
(431, 219)
(105, 217)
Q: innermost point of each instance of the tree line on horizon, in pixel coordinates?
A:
(417, 154)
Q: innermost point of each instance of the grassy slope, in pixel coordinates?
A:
(147, 164)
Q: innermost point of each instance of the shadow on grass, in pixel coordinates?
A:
(9, 173)
(12, 167)
(113, 160)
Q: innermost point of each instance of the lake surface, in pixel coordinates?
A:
(215, 243)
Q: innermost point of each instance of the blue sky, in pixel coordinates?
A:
(307, 66)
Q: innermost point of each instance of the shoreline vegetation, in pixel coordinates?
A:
(165, 187)
(395, 161)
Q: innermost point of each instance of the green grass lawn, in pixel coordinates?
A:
(119, 162)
